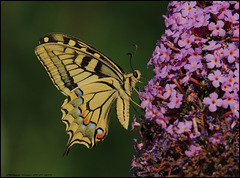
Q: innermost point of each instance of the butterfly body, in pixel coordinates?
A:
(92, 83)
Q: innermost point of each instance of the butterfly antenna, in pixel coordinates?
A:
(132, 58)
(136, 48)
(130, 54)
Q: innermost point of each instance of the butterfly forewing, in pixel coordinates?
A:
(71, 62)
(92, 83)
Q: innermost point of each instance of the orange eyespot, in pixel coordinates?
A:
(99, 134)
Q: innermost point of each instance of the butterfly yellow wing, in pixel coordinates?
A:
(71, 62)
(86, 111)
(91, 82)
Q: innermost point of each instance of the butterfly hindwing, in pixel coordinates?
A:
(86, 111)
(92, 83)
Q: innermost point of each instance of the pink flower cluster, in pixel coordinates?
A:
(195, 88)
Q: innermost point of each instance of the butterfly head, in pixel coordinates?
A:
(137, 74)
(133, 78)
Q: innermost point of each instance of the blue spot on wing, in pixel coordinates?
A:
(81, 100)
(79, 110)
(79, 92)
(84, 126)
(92, 125)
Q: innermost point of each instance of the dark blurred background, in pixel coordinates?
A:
(33, 136)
